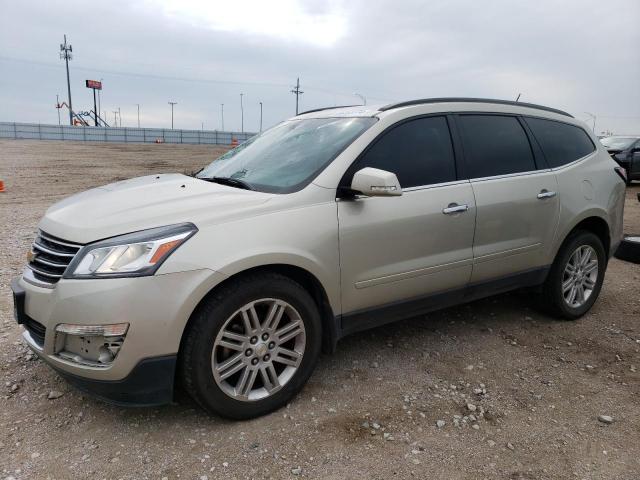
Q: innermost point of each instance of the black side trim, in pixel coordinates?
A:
(472, 100)
(150, 383)
(391, 312)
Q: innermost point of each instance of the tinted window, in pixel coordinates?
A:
(561, 143)
(495, 145)
(419, 152)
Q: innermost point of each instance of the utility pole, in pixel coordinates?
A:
(115, 118)
(260, 116)
(222, 113)
(65, 53)
(58, 108)
(297, 92)
(241, 114)
(138, 105)
(172, 104)
(119, 116)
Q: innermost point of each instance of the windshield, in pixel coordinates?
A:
(288, 156)
(617, 143)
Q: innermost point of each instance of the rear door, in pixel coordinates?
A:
(394, 249)
(516, 198)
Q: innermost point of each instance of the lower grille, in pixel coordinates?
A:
(50, 257)
(36, 330)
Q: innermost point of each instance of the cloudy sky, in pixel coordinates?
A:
(577, 55)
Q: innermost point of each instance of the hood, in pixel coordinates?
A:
(146, 202)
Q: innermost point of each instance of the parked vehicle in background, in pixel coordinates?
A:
(327, 224)
(626, 151)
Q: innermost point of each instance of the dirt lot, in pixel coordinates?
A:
(537, 385)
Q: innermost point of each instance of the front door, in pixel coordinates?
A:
(397, 249)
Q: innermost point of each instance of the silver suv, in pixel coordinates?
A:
(232, 281)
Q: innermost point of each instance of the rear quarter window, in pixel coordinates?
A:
(561, 143)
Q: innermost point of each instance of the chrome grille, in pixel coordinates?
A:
(50, 257)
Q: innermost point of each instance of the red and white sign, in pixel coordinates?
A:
(95, 84)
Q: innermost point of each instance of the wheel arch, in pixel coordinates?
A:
(592, 221)
(309, 281)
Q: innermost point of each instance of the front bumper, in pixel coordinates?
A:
(156, 308)
(150, 383)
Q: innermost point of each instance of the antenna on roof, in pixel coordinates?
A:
(518, 97)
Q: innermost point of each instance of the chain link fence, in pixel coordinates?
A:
(36, 131)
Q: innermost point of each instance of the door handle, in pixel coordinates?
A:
(544, 193)
(455, 208)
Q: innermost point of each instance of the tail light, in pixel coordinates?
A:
(622, 173)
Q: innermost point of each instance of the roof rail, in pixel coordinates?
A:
(326, 108)
(471, 100)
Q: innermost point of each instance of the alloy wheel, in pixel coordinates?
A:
(580, 276)
(258, 349)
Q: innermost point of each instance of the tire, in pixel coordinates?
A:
(220, 321)
(553, 297)
(629, 249)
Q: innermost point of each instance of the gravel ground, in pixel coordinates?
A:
(492, 389)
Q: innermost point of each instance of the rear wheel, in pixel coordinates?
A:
(251, 347)
(576, 276)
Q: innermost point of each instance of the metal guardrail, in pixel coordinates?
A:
(36, 131)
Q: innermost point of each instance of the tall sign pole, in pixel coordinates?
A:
(65, 53)
(94, 85)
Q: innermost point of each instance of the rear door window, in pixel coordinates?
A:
(418, 151)
(495, 145)
(561, 143)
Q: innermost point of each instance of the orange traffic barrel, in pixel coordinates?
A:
(234, 142)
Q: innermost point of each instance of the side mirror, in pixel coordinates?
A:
(374, 182)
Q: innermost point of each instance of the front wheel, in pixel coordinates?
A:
(251, 347)
(576, 276)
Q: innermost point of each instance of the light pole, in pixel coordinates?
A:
(222, 113)
(119, 116)
(241, 114)
(361, 97)
(138, 105)
(593, 117)
(115, 117)
(260, 116)
(58, 108)
(172, 104)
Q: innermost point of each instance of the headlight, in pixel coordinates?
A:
(132, 255)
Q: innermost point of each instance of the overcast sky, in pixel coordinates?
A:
(577, 55)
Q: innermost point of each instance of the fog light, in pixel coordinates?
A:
(115, 330)
(90, 345)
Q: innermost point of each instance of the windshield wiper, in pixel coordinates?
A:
(232, 182)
